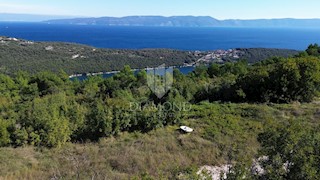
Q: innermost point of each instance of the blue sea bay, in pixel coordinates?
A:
(164, 37)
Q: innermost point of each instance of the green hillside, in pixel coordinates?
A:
(16, 54)
(224, 133)
(74, 58)
(116, 128)
(253, 55)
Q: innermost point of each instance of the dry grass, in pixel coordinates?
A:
(161, 154)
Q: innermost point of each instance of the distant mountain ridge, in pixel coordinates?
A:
(175, 21)
(188, 21)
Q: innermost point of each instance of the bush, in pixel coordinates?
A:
(4, 134)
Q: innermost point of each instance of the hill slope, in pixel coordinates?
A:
(163, 152)
(74, 58)
(253, 55)
(16, 54)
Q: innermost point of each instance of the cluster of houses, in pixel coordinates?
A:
(221, 56)
(6, 40)
(217, 56)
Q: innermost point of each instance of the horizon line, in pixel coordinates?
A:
(82, 16)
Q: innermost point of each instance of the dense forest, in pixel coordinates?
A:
(33, 57)
(116, 128)
(253, 55)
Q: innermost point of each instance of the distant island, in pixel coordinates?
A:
(188, 21)
(161, 21)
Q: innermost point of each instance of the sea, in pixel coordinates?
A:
(180, 38)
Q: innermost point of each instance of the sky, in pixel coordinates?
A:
(220, 9)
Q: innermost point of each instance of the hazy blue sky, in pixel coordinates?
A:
(221, 9)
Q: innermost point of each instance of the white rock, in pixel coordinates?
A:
(49, 48)
(75, 56)
(186, 129)
(215, 172)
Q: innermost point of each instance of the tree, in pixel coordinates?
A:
(214, 70)
(46, 118)
(90, 88)
(296, 79)
(313, 50)
(126, 77)
(201, 72)
(8, 87)
(141, 78)
(98, 122)
(47, 83)
(292, 151)
(4, 134)
(293, 79)
(254, 85)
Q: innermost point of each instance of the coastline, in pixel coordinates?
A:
(134, 70)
